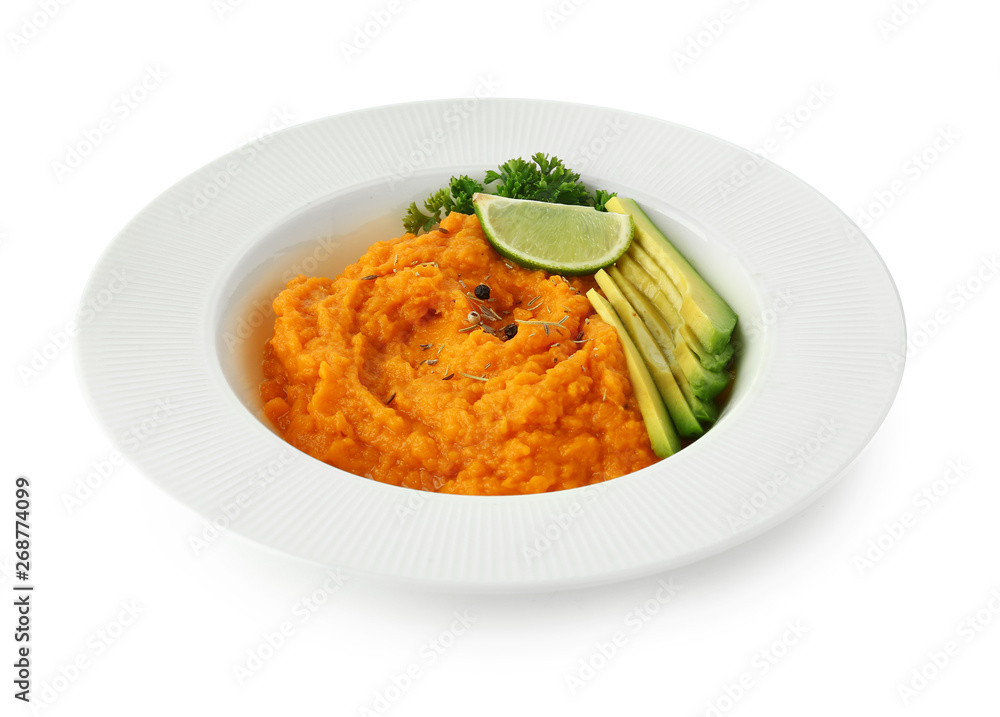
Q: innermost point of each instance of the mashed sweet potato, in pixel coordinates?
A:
(371, 372)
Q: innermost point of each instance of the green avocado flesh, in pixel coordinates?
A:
(713, 362)
(649, 286)
(705, 411)
(709, 317)
(662, 436)
(659, 368)
(675, 329)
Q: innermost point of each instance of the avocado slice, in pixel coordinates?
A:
(659, 368)
(663, 281)
(662, 436)
(711, 319)
(705, 411)
(639, 269)
(641, 279)
(713, 362)
(705, 384)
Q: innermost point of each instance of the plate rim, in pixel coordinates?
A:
(473, 584)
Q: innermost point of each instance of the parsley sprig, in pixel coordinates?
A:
(543, 179)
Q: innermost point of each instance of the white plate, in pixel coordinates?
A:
(170, 362)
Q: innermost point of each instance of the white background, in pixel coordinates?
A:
(892, 83)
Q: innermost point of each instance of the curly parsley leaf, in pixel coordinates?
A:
(462, 189)
(415, 220)
(517, 179)
(441, 199)
(601, 198)
(542, 179)
(557, 183)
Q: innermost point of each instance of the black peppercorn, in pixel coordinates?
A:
(510, 330)
(482, 292)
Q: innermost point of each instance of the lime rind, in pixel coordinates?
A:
(558, 238)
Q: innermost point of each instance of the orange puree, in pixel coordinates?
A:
(358, 372)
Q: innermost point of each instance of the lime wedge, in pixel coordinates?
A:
(559, 238)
